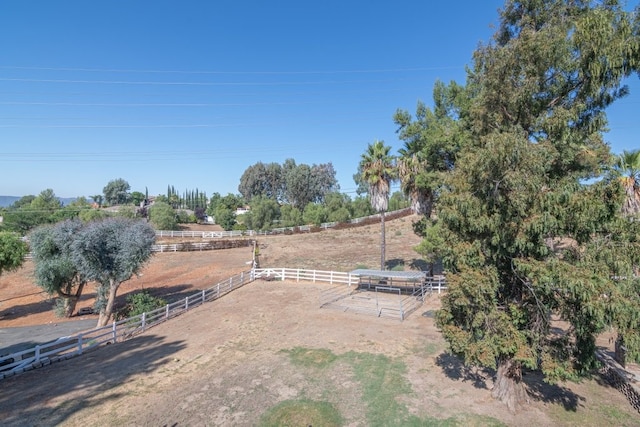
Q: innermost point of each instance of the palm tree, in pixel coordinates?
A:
(410, 164)
(627, 169)
(378, 171)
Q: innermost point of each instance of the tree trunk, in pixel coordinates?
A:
(383, 241)
(105, 313)
(72, 301)
(508, 387)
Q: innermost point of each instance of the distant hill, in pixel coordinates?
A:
(9, 200)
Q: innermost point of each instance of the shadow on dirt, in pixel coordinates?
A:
(15, 311)
(453, 368)
(50, 395)
(538, 390)
(390, 264)
(551, 393)
(168, 293)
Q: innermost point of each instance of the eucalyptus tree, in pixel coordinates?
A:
(110, 252)
(378, 171)
(530, 238)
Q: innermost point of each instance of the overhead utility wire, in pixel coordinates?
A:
(116, 70)
(152, 83)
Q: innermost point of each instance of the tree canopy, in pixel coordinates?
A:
(527, 238)
(296, 184)
(110, 252)
(378, 171)
(116, 192)
(55, 270)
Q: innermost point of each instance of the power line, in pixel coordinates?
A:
(238, 72)
(158, 83)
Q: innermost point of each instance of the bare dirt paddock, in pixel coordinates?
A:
(227, 362)
(231, 361)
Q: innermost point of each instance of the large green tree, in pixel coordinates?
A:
(378, 171)
(116, 192)
(110, 252)
(532, 243)
(163, 216)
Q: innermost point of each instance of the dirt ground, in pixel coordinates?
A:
(226, 362)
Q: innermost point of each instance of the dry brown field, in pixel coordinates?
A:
(230, 361)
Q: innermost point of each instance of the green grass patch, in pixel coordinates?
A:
(381, 379)
(311, 357)
(297, 413)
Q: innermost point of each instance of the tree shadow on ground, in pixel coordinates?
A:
(50, 395)
(420, 264)
(168, 293)
(551, 393)
(390, 264)
(15, 311)
(537, 389)
(453, 368)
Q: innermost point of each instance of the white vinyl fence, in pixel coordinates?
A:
(66, 347)
(282, 230)
(332, 277)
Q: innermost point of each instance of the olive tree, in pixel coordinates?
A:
(55, 271)
(110, 252)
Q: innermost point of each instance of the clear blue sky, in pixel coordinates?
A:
(191, 93)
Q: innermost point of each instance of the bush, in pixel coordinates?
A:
(141, 302)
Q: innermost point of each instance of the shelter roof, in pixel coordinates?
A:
(387, 274)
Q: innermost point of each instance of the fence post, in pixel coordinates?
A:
(80, 344)
(166, 313)
(242, 277)
(230, 282)
(331, 278)
(37, 355)
(114, 332)
(186, 303)
(203, 296)
(144, 320)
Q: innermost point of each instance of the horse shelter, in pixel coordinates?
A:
(382, 293)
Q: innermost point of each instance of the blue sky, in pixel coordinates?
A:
(191, 93)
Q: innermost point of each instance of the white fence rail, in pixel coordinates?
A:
(67, 347)
(306, 275)
(282, 230)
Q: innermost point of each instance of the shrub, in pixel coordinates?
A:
(140, 302)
